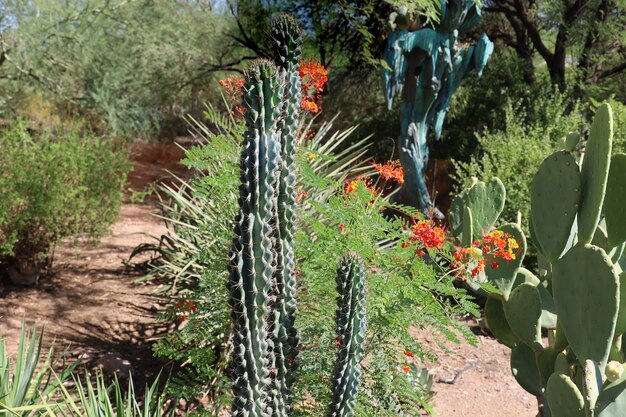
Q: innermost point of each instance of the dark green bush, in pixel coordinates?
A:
(480, 104)
(514, 150)
(54, 187)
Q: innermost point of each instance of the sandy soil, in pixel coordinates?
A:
(91, 303)
(484, 386)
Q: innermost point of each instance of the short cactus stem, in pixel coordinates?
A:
(351, 329)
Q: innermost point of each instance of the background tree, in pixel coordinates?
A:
(134, 65)
(584, 35)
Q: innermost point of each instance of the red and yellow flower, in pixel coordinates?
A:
(430, 235)
(392, 170)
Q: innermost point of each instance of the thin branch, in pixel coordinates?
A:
(598, 75)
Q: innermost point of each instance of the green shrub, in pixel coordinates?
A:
(480, 104)
(515, 149)
(54, 187)
(402, 290)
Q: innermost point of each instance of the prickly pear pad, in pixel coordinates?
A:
(496, 321)
(612, 399)
(595, 172)
(504, 275)
(523, 312)
(615, 199)
(564, 398)
(486, 202)
(524, 369)
(620, 327)
(585, 287)
(555, 198)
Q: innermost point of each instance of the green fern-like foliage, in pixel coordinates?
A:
(403, 290)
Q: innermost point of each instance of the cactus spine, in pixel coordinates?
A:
(262, 262)
(351, 328)
(578, 296)
(286, 35)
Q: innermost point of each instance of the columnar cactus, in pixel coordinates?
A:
(253, 263)
(262, 262)
(286, 37)
(351, 327)
(577, 295)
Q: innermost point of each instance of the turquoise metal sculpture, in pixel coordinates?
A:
(425, 67)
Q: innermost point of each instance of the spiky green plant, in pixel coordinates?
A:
(286, 37)
(27, 385)
(100, 399)
(351, 330)
(262, 268)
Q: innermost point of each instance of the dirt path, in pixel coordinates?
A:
(91, 303)
(484, 386)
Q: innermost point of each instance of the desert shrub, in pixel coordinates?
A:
(403, 290)
(514, 150)
(54, 187)
(191, 261)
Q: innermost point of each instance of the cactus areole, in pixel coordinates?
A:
(424, 68)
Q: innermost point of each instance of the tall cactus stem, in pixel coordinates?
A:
(286, 37)
(252, 259)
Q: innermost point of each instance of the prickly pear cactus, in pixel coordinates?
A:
(577, 296)
(485, 201)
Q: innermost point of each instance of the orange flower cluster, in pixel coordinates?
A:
(234, 90)
(430, 235)
(314, 77)
(467, 260)
(301, 195)
(496, 245)
(351, 186)
(392, 170)
(309, 105)
(499, 244)
(183, 308)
